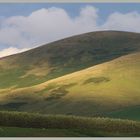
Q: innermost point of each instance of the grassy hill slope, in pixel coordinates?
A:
(65, 56)
(95, 91)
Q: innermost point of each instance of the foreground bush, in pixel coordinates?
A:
(29, 120)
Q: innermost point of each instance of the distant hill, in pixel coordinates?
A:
(65, 56)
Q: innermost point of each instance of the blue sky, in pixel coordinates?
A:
(73, 9)
(25, 26)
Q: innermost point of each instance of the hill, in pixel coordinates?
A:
(65, 56)
(100, 90)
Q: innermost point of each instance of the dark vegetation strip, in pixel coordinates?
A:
(29, 120)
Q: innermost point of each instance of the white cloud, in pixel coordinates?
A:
(47, 25)
(11, 50)
(125, 22)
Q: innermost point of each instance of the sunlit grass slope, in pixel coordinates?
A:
(96, 91)
(65, 56)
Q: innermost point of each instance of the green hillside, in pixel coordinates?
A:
(132, 113)
(80, 84)
(65, 56)
(95, 91)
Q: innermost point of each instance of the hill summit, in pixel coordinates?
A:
(65, 56)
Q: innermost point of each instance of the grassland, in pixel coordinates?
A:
(132, 113)
(60, 125)
(100, 90)
(94, 75)
(38, 132)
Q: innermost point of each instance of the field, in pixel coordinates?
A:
(37, 132)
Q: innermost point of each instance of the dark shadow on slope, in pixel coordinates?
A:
(97, 80)
(12, 106)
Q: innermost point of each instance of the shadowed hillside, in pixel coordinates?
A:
(65, 56)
